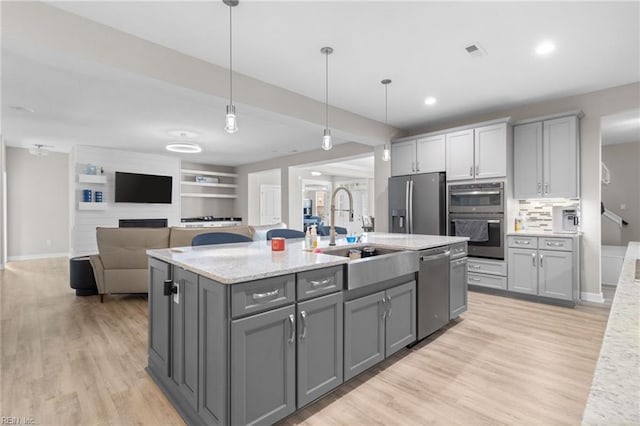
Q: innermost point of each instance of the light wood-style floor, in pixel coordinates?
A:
(71, 360)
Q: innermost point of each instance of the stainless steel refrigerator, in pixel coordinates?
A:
(417, 204)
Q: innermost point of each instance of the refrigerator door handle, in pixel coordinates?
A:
(406, 205)
(411, 206)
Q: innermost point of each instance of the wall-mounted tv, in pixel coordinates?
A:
(139, 188)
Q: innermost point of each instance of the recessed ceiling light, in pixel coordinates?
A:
(430, 101)
(545, 48)
(187, 134)
(21, 108)
(315, 173)
(184, 148)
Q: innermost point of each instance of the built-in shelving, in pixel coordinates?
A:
(203, 195)
(211, 185)
(92, 206)
(100, 179)
(207, 173)
(227, 186)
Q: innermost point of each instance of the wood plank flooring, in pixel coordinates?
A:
(71, 360)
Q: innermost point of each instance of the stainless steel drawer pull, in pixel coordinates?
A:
(533, 258)
(384, 308)
(474, 279)
(539, 188)
(541, 259)
(292, 322)
(523, 242)
(550, 244)
(303, 319)
(260, 296)
(389, 310)
(322, 282)
(475, 266)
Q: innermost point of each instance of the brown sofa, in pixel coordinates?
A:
(121, 265)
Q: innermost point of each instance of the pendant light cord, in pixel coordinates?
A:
(326, 98)
(230, 57)
(385, 104)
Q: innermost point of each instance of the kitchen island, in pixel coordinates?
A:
(239, 334)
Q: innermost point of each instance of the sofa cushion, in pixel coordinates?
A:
(126, 248)
(181, 237)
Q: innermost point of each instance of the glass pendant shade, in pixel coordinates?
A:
(231, 123)
(386, 153)
(326, 140)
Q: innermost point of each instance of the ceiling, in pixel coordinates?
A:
(357, 168)
(419, 45)
(619, 128)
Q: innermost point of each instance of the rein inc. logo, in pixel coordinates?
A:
(14, 420)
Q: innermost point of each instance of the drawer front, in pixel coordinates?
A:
(491, 281)
(261, 295)
(458, 251)
(487, 267)
(522, 242)
(319, 282)
(560, 244)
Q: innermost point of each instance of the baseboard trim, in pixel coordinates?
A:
(592, 297)
(37, 256)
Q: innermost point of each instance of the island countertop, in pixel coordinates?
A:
(235, 263)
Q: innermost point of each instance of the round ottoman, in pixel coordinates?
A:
(81, 276)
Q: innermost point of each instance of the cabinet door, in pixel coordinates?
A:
(403, 158)
(522, 273)
(561, 157)
(363, 333)
(214, 350)
(400, 327)
(184, 334)
(527, 161)
(320, 339)
(555, 274)
(263, 367)
(459, 155)
(431, 154)
(491, 151)
(457, 287)
(159, 317)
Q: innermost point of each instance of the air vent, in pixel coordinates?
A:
(475, 50)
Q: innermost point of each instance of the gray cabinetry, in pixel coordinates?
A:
(184, 334)
(159, 317)
(263, 350)
(457, 287)
(523, 271)
(555, 276)
(527, 160)
(320, 347)
(378, 325)
(363, 333)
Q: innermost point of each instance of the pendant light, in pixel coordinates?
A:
(326, 138)
(231, 124)
(386, 152)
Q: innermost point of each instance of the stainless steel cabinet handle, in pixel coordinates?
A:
(471, 171)
(539, 188)
(389, 310)
(417, 166)
(546, 188)
(384, 309)
(541, 259)
(475, 266)
(533, 258)
(260, 296)
(413, 166)
(477, 170)
(474, 279)
(292, 322)
(550, 244)
(523, 242)
(303, 319)
(322, 282)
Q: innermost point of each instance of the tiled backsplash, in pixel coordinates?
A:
(539, 213)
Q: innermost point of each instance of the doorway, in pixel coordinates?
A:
(264, 197)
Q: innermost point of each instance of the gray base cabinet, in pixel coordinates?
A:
(457, 287)
(263, 351)
(159, 317)
(555, 274)
(523, 271)
(320, 347)
(378, 325)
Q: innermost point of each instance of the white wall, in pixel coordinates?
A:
(270, 177)
(594, 105)
(623, 161)
(37, 204)
(84, 223)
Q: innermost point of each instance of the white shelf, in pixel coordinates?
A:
(92, 206)
(207, 173)
(92, 179)
(202, 195)
(212, 185)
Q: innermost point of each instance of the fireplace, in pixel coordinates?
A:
(142, 223)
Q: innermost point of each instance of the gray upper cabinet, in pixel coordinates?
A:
(490, 147)
(184, 339)
(459, 154)
(400, 327)
(457, 287)
(424, 155)
(555, 276)
(320, 347)
(263, 351)
(403, 158)
(523, 271)
(159, 317)
(363, 333)
(546, 159)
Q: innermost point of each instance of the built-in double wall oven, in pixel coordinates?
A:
(478, 211)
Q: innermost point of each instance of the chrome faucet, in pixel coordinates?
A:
(332, 228)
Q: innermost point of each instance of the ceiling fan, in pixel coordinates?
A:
(39, 149)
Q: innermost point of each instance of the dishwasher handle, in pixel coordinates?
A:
(432, 257)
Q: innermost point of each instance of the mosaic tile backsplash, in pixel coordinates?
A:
(539, 213)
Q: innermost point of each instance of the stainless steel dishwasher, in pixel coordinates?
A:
(433, 290)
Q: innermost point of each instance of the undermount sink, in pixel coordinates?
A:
(384, 265)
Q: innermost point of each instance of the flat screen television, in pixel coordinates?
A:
(140, 188)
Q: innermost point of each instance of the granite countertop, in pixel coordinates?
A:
(235, 263)
(615, 390)
(536, 233)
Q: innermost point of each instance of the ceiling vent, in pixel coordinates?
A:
(475, 50)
